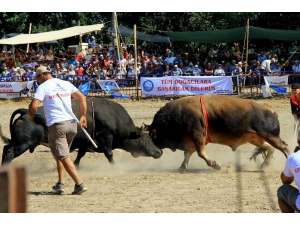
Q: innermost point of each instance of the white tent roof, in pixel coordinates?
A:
(50, 36)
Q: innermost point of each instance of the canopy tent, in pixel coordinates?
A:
(125, 31)
(51, 35)
(5, 36)
(229, 35)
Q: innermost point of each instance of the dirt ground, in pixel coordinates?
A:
(147, 185)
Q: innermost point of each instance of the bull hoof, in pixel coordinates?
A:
(216, 166)
(264, 165)
(182, 170)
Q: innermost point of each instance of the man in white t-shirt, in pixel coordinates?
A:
(288, 195)
(61, 126)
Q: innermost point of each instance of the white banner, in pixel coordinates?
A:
(277, 83)
(10, 87)
(10, 90)
(9, 95)
(186, 85)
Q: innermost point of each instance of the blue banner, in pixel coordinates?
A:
(85, 88)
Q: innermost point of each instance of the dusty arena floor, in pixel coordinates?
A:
(154, 185)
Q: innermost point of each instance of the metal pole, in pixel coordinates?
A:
(28, 43)
(135, 63)
(71, 112)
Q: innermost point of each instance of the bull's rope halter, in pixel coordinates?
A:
(204, 112)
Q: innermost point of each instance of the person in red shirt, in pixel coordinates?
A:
(125, 54)
(107, 61)
(10, 63)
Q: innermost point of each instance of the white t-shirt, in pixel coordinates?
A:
(54, 109)
(292, 169)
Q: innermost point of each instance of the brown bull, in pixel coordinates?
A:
(190, 123)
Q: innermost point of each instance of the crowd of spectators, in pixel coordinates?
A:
(102, 63)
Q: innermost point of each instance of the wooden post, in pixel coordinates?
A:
(28, 43)
(116, 32)
(135, 63)
(13, 191)
(80, 39)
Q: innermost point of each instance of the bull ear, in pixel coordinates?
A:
(145, 127)
(153, 134)
(134, 135)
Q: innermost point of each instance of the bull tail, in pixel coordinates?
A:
(18, 111)
(257, 151)
(5, 139)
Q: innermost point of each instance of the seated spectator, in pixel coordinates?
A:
(167, 71)
(59, 56)
(68, 54)
(40, 56)
(219, 71)
(292, 48)
(64, 64)
(17, 63)
(16, 76)
(261, 57)
(186, 71)
(133, 72)
(71, 70)
(30, 74)
(49, 56)
(158, 70)
(148, 69)
(176, 71)
(72, 61)
(277, 69)
(209, 69)
(177, 60)
(197, 71)
(170, 58)
(9, 63)
(119, 74)
(232, 66)
(237, 54)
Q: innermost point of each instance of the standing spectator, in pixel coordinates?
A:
(91, 42)
(265, 66)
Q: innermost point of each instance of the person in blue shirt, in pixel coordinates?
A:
(261, 57)
(91, 42)
(177, 60)
(72, 61)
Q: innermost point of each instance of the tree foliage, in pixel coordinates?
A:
(148, 22)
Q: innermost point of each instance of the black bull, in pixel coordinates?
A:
(112, 125)
(231, 121)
